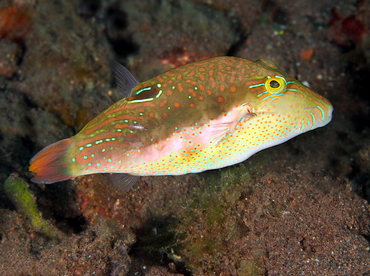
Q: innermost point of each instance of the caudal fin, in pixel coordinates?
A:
(51, 164)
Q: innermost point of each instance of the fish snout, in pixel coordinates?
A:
(322, 114)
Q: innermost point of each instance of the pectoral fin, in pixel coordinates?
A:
(223, 129)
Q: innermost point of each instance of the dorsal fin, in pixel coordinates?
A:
(124, 79)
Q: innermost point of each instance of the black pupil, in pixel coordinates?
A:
(274, 84)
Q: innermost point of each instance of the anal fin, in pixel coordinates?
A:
(123, 181)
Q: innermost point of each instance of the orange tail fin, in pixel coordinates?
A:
(51, 164)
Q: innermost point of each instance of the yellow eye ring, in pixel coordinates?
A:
(275, 85)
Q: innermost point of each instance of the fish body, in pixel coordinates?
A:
(205, 115)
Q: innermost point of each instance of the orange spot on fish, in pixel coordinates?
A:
(209, 92)
(163, 103)
(169, 92)
(233, 88)
(220, 99)
(179, 86)
(192, 73)
(151, 115)
(192, 82)
(222, 87)
(201, 98)
(222, 76)
(160, 79)
(168, 73)
(165, 115)
(176, 104)
(192, 92)
(191, 105)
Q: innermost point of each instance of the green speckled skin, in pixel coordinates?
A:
(205, 115)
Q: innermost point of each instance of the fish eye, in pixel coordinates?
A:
(275, 85)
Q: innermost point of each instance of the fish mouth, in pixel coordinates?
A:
(330, 113)
(323, 117)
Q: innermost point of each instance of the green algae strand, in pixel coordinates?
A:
(18, 192)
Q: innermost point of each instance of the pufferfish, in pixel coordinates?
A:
(205, 115)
